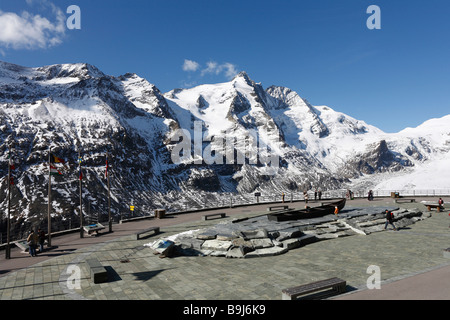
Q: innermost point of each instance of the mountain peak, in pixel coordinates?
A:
(72, 70)
(243, 75)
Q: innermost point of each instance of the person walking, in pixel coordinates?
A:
(389, 220)
(32, 242)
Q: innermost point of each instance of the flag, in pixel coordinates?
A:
(55, 159)
(11, 167)
(80, 175)
(54, 171)
(106, 169)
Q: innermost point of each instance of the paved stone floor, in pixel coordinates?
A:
(137, 274)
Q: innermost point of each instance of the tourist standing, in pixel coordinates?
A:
(282, 197)
(32, 241)
(320, 194)
(389, 220)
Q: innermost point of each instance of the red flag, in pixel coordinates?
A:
(11, 164)
(55, 159)
(54, 171)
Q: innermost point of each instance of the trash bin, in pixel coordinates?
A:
(160, 213)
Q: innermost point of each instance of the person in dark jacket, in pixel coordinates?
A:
(41, 236)
(32, 242)
(390, 220)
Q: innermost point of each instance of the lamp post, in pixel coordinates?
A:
(81, 202)
(109, 195)
(49, 218)
(8, 232)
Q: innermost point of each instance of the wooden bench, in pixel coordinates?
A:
(155, 230)
(335, 285)
(434, 206)
(277, 208)
(401, 200)
(98, 272)
(217, 215)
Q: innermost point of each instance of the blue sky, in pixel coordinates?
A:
(394, 77)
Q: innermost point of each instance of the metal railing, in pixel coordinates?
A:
(226, 201)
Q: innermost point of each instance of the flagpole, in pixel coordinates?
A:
(49, 240)
(81, 202)
(8, 232)
(109, 196)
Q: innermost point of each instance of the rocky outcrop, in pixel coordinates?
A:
(259, 237)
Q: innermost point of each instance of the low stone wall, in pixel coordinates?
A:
(258, 237)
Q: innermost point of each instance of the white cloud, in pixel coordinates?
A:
(230, 70)
(213, 67)
(190, 65)
(31, 31)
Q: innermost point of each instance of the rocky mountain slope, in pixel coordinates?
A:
(185, 147)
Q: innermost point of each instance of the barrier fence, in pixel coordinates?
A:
(226, 201)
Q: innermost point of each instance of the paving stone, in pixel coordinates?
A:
(241, 242)
(261, 243)
(226, 237)
(206, 236)
(289, 233)
(290, 244)
(253, 234)
(189, 243)
(216, 245)
(266, 252)
(237, 252)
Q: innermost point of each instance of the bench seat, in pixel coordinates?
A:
(434, 206)
(277, 208)
(401, 200)
(154, 230)
(217, 215)
(336, 285)
(98, 272)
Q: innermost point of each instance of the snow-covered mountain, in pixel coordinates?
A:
(236, 137)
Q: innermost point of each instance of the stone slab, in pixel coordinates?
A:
(266, 252)
(216, 245)
(261, 243)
